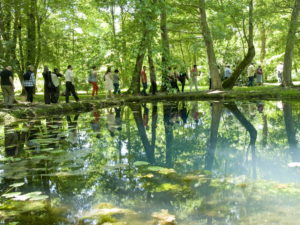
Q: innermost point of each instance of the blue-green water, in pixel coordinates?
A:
(185, 163)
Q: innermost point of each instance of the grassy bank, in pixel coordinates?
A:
(23, 110)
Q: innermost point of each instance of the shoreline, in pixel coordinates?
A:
(22, 111)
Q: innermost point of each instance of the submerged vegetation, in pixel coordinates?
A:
(166, 163)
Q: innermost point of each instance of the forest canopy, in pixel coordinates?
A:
(125, 34)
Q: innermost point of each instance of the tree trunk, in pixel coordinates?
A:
(165, 58)
(229, 83)
(291, 39)
(153, 87)
(216, 113)
(135, 81)
(137, 114)
(212, 62)
(251, 130)
(31, 32)
(291, 132)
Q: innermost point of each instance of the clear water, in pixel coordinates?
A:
(185, 163)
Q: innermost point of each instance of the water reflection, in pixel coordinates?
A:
(203, 161)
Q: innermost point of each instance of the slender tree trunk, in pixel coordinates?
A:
(135, 81)
(31, 32)
(165, 45)
(153, 87)
(229, 83)
(291, 132)
(216, 114)
(291, 39)
(212, 62)
(137, 114)
(251, 130)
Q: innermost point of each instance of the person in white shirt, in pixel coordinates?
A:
(279, 72)
(251, 73)
(70, 88)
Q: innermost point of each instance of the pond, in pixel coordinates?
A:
(184, 163)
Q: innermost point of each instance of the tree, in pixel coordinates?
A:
(212, 62)
(229, 83)
(291, 39)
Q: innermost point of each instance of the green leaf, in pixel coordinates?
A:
(17, 184)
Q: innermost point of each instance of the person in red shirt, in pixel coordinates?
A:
(144, 80)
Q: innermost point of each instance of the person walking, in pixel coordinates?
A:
(279, 72)
(227, 72)
(49, 89)
(55, 81)
(182, 78)
(251, 73)
(93, 79)
(116, 82)
(194, 81)
(143, 76)
(70, 88)
(259, 76)
(108, 83)
(29, 83)
(7, 86)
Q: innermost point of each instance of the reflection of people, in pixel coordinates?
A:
(72, 124)
(184, 114)
(260, 107)
(13, 141)
(95, 124)
(195, 112)
(146, 116)
(111, 122)
(118, 119)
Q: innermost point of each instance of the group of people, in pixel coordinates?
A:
(253, 74)
(51, 85)
(173, 76)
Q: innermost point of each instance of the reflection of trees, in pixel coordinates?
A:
(170, 110)
(216, 112)
(290, 130)
(137, 114)
(251, 130)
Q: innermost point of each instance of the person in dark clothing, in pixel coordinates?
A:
(49, 89)
(7, 86)
(55, 81)
(172, 76)
(182, 78)
(29, 83)
(70, 84)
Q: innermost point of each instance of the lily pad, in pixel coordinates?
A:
(140, 163)
(17, 184)
(11, 195)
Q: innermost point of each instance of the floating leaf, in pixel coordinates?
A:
(17, 184)
(39, 198)
(21, 198)
(12, 194)
(140, 163)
